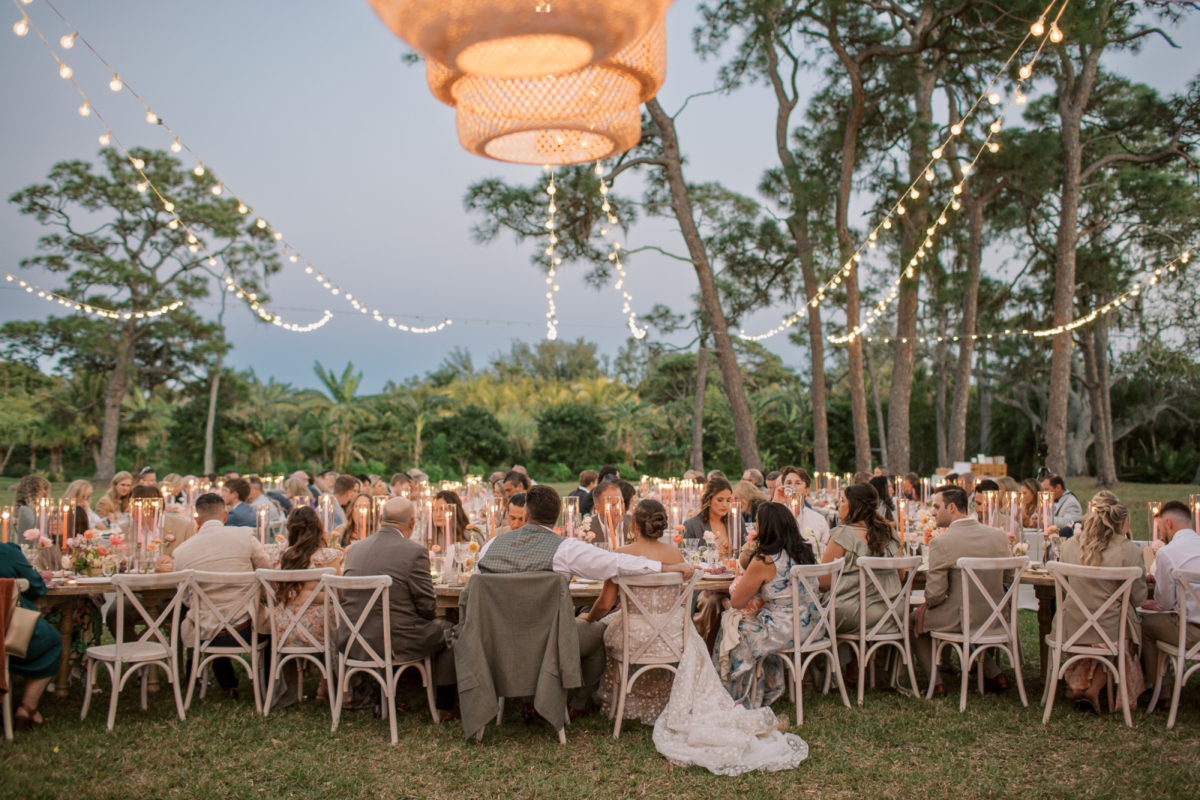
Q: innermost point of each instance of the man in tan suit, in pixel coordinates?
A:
(413, 604)
(964, 537)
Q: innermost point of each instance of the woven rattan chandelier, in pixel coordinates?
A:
(581, 116)
(519, 38)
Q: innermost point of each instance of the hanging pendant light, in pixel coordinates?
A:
(578, 117)
(519, 38)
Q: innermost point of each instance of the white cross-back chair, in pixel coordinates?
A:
(22, 586)
(1071, 646)
(973, 643)
(866, 643)
(819, 637)
(286, 621)
(1187, 587)
(155, 648)
(237, 611)
(669, 630)
(381, 666)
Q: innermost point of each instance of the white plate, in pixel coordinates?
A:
(84, 579)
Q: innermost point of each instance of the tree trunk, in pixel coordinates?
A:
(957, 446)
(211, 421)
(1087, 347)
(32, 459)
(114, 392)
(56, 467)
(816, 353)
(939, 406)
(985, 405)
(698, 410)
(1107, 474)
(731, 374)
(7, 455)
(879, 424)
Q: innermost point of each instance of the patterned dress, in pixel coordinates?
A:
(759, 636)
(313, 619)
(652, 689)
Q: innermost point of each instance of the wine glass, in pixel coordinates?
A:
(107, 567)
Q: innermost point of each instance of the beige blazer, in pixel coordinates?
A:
(217, 548)
(967, 538)
(1120, 553)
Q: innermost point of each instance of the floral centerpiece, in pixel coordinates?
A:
(37, 541)
(87, 552)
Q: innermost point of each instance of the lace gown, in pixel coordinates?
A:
(652, 689)
(747, 638)
(313, 620)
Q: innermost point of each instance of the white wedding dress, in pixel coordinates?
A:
(702, 725)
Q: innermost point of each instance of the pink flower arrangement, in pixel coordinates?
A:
(153, 544)
(677, 538)
(32, 535)
(115, 540)
(170, 537)
(45, 542)
(279, 538)
(89, 534)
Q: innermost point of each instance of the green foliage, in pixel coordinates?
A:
(470, 435)
(571, 433)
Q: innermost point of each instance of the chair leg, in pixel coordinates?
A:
(933, 672)
(429, 691)
(1122, 690)
(187, 700)
(622, 689)
(115, 672)
(1158, 682)
(980, 655)
(1179, 667)
(173, 677)
(500, 713)
(964, 660)
(341, 695)
(145, 682)
(862, 668)
(389, 699)
(255, 679)
(89, 676)
(271, 685)
(1017, 670)
(798, 676)
(1051, 683)
(7, 707)
(836, 669)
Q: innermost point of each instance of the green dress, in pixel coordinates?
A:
(846, 592)
(45, 648)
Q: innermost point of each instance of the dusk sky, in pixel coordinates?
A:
(307, 111)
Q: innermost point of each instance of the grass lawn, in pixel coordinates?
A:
(891, 747)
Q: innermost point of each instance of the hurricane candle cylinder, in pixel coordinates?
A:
(428, 526)
(1195, 503)
(737, 530)
(902, 514)
(377, 511)
(611, 520)
(1046, 510)
(989, 509)
(1014, 516)
(43, 516)
(6, 514)
(1155, 507)
(262, 516)
(325, 513)
(571, 515)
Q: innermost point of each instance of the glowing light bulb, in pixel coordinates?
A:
(22, 27)
(887, 224)
(141, 187)
(242, 208)
(900, 210)
(308, 269)
(956, 129)
(169, 206)
(550, 190)
(1026, 71)
(105, 139)
(199, 170)
(85, 110)
(138, 163)
(65, 71)
(993, 98)
(929, 175)
(994, 146)
(278, 235)
(68, 42)
(1039, 27)
(176, 146)
(1020, 98)
(937, 152)
(967, 169)
(915, 194)
(151, 118)
(262, 223)
(1056, 34)
(191, 238)
(115, 84)
(293, 259)
(995, 127)
(173, 224)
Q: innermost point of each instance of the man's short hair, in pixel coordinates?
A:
(517, 500)
(987, 485)
(240, 487)
(517, 479)
(756, 476)
(628, 490)
(798, 471)
(255, 481)
(588, 477)
(210, 504)
(345, 483)
(954, 496)
(231, 475)
(862, 477)
(1056, 481)
(773, 475)
(400, 477)
(716, 473)
(608, 469)
(603, 487)
(543, 504)
(913, 478)
(950, 477)
(323, 473)
(967, 476)
(1176, 511)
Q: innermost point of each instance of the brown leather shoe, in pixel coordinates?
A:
(576, 713)
(448, 716)
(939, 690)
(996, 685)
(231, 694)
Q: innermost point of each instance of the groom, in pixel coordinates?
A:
(537, 548)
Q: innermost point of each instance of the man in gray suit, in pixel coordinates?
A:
(413, 604)
(964, 537)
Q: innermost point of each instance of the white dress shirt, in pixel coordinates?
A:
(577, 557)
(274, 514)
(1183, 552)
(811, 518)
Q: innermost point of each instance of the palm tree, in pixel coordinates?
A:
(418, 407)
(345, 413)
(628, 419)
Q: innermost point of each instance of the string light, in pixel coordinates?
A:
(897, 209)
(85, 308)
(22, 27)
(615, 256)
(177, 145)
(552, 314)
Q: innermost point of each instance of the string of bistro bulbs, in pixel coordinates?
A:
(1135, 291)
(1037, 30)
(552, 314)
(76, 305)
(194, 243)
(615, 256)
(178, 145)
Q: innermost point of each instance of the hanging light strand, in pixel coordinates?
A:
(987, 98)
(78, 305)
(195, 244)
(1157, 276)
(178, 145)
(552, 259)
(615, 255)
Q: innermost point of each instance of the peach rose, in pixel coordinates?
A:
(437, 548)
(102, 551)
(89, 534)
(677, 538)
(472, 547)
(115, 540)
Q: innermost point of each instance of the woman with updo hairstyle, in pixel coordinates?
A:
(653, 689)
(307, 548)
(1103, 542)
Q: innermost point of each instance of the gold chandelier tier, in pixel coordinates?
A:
(579, 117)
(519, 38)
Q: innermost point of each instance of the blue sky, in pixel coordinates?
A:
(312, 117)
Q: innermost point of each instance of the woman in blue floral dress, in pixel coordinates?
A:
(761, 609)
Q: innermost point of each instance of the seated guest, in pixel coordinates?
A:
(942, 611)
(652, 691)
(1066, 510)
(79, 493)
(296, 494)
(587, 481)
(173, 488)
(713, 519)
(911, 486)
(401, 485)
(608, 502)
(1182, 551)
(753, 476)
(1103, 542)
(515, 517)
(217, 547)
(884, 489)
(949, 478)
(147, 477)
(862, 477)
(607, 472)
(766, 584)
(515, 482)
(358, 521)
(861, 534)
(536, 548)
(464, 531)
(715, 473)
(116, 500)
(416, 633)
(751, 497)
(967, 482)
(345, 488)
(772, 482)
(421, 477)
(694, 475)
(986, 485)
(808, 518)
(231, 475)
(40, 663)
(235, 493)
(307, 548)
(258, 498)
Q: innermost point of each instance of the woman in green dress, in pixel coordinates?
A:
(40, 663)
(863, 533)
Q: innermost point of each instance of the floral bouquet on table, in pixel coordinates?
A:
(1053, 537)
(1020, 548)
(585, 528)
(86, 553)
